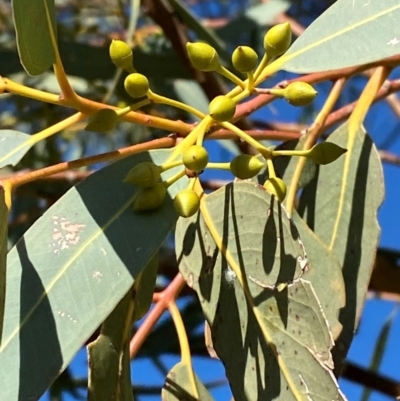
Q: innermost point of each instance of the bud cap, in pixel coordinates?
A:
(203, 56)
(277, 40)
(246, 166)
(149, 198)
(136, 85)
(222, 108)
(145, 175)
(195, 158)
(299, 93)
(244, 59)
(121, 55)
(275, 186)
(187, 203)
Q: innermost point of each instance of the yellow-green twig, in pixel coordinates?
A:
(245, 137)
(219, 166)
(271, 168)
(232, 77)
(66, 89)
(155, 98)
(184, 343)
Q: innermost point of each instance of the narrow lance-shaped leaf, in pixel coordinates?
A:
(270, 333)
(349, 33)
(71, 268)
(340, 205)
(34, 42)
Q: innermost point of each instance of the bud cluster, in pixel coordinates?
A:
(190, 153)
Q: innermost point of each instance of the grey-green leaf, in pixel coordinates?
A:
(349, 33)
(14, 145)
(35, 47)
(143, 288)
(340, 205)
(179, 385)
(325, 273)
(109, 369)
(71, 268)
(274, 341)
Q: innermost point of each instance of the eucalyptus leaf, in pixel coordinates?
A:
(14, 146)
(266, 12)
(143, 288)
(340, 205)
(274, 340)
(34, 34)
(325, 273)
(109, 371)
(180, 386)
(71, 268)
(348, 33)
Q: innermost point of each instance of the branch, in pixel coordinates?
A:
(372, 380)
(163, 299)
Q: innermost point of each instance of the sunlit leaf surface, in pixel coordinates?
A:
(71, 268)
(340, 205)
(269, 329)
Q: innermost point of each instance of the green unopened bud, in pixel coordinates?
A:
(121, 55)
(244, 59)
(187, 203)
(103, 120)
(145, 175)
(326, 152)
(277, 40)
(149, 198)
(195, 158)
(275, 186)
(203, 56)
(246, 166)
(299, 93)
(222, 108)
(136, 85)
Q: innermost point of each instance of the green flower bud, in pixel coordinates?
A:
(246, 166)
(195, 158)
(136, 85)
(103, 120)
(244, 59)
(145, 175)
(277, 40)
(203, 56)
(299, 93)
(222, 108)
(149, 198)
(326, 152)
(275, 186)
(121, 55)
(187, 203)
